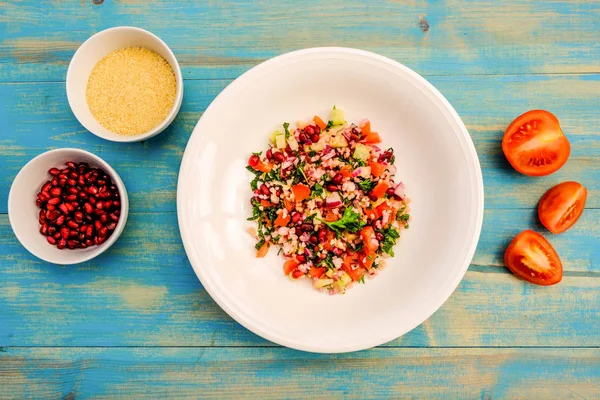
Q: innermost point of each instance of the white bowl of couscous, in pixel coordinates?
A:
(124, 84)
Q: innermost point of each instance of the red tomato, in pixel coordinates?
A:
(260, 253)
(281, 220)
(289, 266)
(289, 205)
(561, 206)
(346, 172)
(372, 138)
(535, 145)
(263, 167)
(369, 240)
(265, 203)
(350, 260)
(319, 122)
(532, 258)
(377, 168)
(317, 272)
(366, 259)
(365, 127)
(301, 192)
(380, 189)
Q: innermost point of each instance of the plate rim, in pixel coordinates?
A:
(471, 151)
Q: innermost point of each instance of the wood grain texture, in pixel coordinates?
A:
(281, 373)
(139, 303)
(37, 117)
(143, 292)
(214, 39)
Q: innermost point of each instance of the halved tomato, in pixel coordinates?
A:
(535, 145)
(532, 258)
(561, 206)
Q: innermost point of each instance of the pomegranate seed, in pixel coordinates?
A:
(300, 258)
(99, 212)
(54, 181)
(354, 137)
(338, 178)
(89, 242)
(301, 138)
(73, 233)
(264, 189)
(62, 243)
(71, 207)
(390, 192)
(322, 234)
(102, 231)
(73, 175)
(63, 208)
(299, 231)
(50, 207)
(55, 192)
(52, 214)
(314, 239)
(51, 230)
(117, 212)
(83, 228)
(99, 205)
(71, 182)
(92, 190)
(44, 229)
(337, 251)
(72, 224)
(332, 187)
(269, 154)
(44, 196)
(51, 240)
(114, 216)
(60, 220)
(72, 244)
(253, 161)
(105, 195)
(279, 157)
(78, 216)
(81, 180)
(92, 200)
(111, 226)
(308, 142)
(56, 235)
(54, 201)
(38, 202)
(379, 236)
(102, 189)
(296, 217)
(309, 129)
(372, 197)
(315, 138)
(88, 208)
(297, 274)
(62, 182)
(98, 225)
(71, 164)
(89, 231)
(82, 195)
(46, 186)
(71, 197)
(64, 232)
(54, 171)
(81, 236)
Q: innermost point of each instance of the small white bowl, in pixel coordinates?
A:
(96, 48)
(23, 212)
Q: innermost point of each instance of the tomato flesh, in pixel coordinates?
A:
(535, 145)
(532, 258)
(561, 206)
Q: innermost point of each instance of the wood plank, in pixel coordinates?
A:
(143, 292)
(211, 40)
(243, 373)
(36, 117)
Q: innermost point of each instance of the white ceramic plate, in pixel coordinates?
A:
(436, 160)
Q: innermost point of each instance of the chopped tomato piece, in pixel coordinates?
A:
(260, 253)
(377, 168)
(380, 189)
(319, 122)
(263, 167)
(317, 272)
(372, 138)
(532, 258)
(369, 240)
(561, 206)
(289, 266)
(289, 205)
(365, 127)
(366, 259)
(346, 172)
(331, 217)
(281, 220)
(265, 203)
(349, 262)
(301, 192)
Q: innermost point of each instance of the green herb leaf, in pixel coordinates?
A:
(260, 244)
(316, 191)
(390, 235)
(312, 153)
(329, 124)
(258, 153)
(287, 132)
(350, 221)
(366, 185)
(361, 279)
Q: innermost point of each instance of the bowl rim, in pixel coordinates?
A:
(178, 79)
(470, 150)
(122, 218)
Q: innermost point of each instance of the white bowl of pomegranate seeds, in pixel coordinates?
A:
(67, 206)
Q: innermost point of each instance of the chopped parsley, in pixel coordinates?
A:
(390, 235)
(312, 153)
(361, 279)
(257, 153)
(317, 191)
(366, 185)
(350, 221)
(328, 261)
(357, 162)
(260, 244)
(287, 132)
(329, 124)
(403, 218)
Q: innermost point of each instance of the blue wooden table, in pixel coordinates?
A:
(135, 322)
